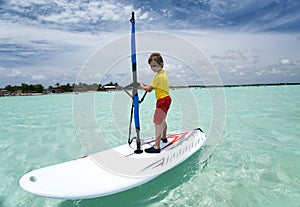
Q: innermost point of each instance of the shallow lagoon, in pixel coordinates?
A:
(256, 162)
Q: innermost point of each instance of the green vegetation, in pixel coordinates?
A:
(58, 88)
(24, 88)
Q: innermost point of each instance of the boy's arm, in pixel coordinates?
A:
(147, 88)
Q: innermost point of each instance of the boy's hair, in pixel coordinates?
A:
(157, 58)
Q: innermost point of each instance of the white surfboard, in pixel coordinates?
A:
(86, 178)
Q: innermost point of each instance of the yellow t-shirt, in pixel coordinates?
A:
(161, 84)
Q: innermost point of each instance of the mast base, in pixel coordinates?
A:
(138, 151)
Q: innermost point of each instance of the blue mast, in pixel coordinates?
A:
(134, 89)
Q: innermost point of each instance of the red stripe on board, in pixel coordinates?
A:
(177, 137)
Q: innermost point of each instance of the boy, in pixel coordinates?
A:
(160, 84)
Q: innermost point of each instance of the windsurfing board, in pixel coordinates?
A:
(84, 178)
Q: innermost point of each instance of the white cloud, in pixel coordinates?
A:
(15, 73)
(260, 72)
(55, 54)
(27, 3)
(235, 55)
(81, 15)
(39, 77)
(112, 12)
(260, 57)
(144, 16)
(285, 61)
(72, 15)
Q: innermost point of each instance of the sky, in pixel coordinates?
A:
(50, 41)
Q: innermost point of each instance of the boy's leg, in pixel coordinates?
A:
(165, 126)
(158, 133)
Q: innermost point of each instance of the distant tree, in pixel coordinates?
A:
(8, 88)
(67, 88)
(100, 87)
(38, 88)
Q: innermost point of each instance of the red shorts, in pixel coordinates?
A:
(162, 107)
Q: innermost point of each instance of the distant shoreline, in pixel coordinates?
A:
(243, 85)
(4, 93)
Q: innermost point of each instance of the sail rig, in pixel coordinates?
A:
(135, 95)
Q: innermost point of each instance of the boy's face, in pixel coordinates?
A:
(155, 67)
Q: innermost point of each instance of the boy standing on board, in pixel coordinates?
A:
(160, 84)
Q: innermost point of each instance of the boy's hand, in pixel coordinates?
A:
(148, 88)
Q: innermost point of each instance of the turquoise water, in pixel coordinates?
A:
(256, 162)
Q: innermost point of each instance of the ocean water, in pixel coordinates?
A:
(256, 161)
